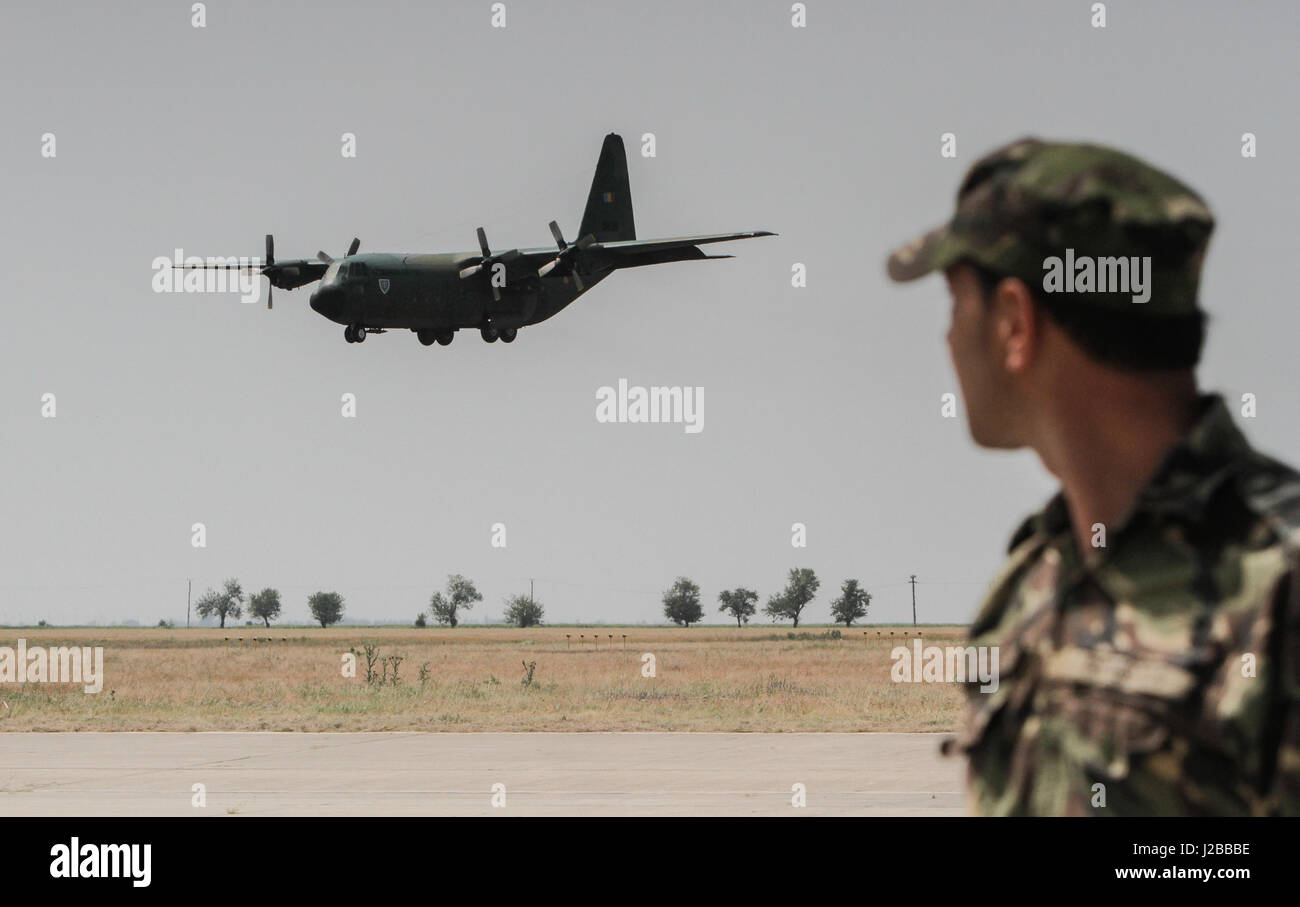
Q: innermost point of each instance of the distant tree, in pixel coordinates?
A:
(234, 592)
(326, 607)
(210, 604)
(420, 621)
(460, 594)
(740, 603)
(165, 623)
(852, 603)
(798, 592)
(682, 603)
(265, 606)
(229, 602)
(523, 611)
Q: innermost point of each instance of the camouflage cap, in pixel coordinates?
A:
(1073, 218)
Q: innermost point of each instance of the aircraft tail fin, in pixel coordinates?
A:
(608, 216)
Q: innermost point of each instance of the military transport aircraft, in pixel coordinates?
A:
(496, 292)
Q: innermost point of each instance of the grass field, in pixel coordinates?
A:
(758, 678)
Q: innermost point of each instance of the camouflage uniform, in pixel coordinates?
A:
(1164, 666)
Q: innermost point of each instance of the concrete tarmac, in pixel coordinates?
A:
(428, 774)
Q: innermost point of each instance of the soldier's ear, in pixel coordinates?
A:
(1016, 324)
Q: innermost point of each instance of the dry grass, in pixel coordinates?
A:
(707, 679)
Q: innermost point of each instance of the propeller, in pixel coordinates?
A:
(567, 258)
(486, 263)
(352, 250)
(267, 265)
(271, 271)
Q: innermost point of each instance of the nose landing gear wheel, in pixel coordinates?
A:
(508, 335)
(489, 334)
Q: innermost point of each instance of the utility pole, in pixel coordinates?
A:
(530, 592)
(913, 582)
(189, 590)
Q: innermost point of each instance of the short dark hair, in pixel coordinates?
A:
(1132, 341)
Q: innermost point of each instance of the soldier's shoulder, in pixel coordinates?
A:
(1269, 490)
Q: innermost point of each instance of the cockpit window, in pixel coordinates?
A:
(332, 273)
(360, 271)
(343, 272)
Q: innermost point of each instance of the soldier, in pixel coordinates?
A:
(1148, 618)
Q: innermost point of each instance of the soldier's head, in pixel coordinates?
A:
(1070, 267)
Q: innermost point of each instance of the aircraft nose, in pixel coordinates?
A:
(328, 302)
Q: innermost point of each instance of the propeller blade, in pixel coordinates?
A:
(586, 241)
(470, 271)
(483, 243)
(356, 244)
(325, 258)
(548, 267)
(559, 237)
(496, 292)
(578, 280)
(270, 250)
(270, 293)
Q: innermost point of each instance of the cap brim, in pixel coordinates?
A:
(921, 256)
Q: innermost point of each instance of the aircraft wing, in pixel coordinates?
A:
(287, 275)
(626, 253)
(642, 246)
(629, 252)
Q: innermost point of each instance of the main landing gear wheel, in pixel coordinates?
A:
(446, 337)
(426, 337)
(508, 335)
(489, 334)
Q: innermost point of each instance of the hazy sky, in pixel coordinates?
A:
(822, 404)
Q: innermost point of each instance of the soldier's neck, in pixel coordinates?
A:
(1105, 438)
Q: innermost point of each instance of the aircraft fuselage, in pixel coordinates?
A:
(425, 292)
